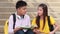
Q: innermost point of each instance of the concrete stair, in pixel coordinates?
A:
(3, 0)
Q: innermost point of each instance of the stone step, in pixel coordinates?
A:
(53, 0)
(54, 4)
(1, 29)
(3, 0)
(55, 9)
(5, 15)
(32, 1)
(7, 12)
(12, 9)
(12, 4)
(6, 4)
(7, 9)
(41, 1)
(2, 21)
(55, 14)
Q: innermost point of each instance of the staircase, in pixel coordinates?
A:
(8, 7)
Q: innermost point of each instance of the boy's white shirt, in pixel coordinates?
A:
(20, 22)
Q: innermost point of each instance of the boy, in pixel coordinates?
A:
(22, 20)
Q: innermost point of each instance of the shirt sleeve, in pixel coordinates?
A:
(34, 23)
(29, 21)
(52, 20)
(10, 25)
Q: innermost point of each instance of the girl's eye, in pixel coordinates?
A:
(40, 10)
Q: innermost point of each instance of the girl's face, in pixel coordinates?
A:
(40, 11)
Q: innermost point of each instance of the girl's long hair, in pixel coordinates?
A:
(45, 13)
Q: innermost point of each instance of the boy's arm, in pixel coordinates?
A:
(10, 24)
(29, 21)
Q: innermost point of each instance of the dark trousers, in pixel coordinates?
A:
(22, 32)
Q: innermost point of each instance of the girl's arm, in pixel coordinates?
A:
(56, 27)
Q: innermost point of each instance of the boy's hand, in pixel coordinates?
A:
(16, 29)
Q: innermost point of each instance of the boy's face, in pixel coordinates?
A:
(22, 10)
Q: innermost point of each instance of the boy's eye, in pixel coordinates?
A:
(24, 8)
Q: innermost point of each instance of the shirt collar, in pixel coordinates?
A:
(19, 17)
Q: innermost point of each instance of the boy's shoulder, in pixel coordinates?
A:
(27, 16)
(10, 16)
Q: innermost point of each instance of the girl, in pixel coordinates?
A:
(41, 23)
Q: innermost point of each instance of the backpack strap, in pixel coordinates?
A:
(51, 27)
(14, 20)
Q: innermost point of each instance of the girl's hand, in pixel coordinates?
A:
(36, 30)
(51, 33)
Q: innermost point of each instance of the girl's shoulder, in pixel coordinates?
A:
(52, 20)
(51, 17)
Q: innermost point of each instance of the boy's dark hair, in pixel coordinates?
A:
(20, 4)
